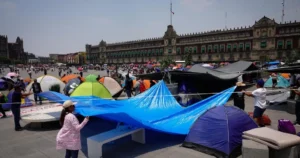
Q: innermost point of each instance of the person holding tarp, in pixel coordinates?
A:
(239, 96)
(260, 102)
(297, 99)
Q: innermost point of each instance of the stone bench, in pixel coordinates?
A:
(96, 142)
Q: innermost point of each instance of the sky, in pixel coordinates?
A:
(65, 26)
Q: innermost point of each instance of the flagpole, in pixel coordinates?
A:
(171, 12)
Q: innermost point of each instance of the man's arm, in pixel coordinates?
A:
(248, 93)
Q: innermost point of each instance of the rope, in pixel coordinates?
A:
(189, 94)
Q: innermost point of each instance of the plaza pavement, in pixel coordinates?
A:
(40, 143)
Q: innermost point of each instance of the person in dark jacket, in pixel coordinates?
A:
(128, 86)
(2, 101)
(239, 96)
(152, 83)
(36, 87)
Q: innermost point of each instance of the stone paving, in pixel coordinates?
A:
(40, 143)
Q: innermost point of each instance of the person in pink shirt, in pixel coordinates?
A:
(68, 137)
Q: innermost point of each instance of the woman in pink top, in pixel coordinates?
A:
(68, 136)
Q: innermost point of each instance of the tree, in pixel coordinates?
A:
(293, 56)
(166, 62)
(188, 59)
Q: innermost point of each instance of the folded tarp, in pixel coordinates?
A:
(272, 138)
(155, 109)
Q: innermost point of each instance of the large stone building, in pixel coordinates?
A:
(265, 39)
(12, 51)
(3, 47)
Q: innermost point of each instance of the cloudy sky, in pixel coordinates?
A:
(65, 26)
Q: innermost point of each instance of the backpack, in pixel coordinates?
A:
(286, 126)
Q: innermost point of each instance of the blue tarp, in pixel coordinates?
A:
(220, 129)
(155, 109)
(273, 62)
(281, 82)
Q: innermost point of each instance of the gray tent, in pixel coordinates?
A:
(240, 66)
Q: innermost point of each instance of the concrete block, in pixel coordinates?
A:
(291, 106)
(252, 149)
(289, 152)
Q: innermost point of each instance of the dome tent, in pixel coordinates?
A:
(92, 89)
(111, 84)
(91, 78)
(219, 131)
(281, 82)
(46, 82)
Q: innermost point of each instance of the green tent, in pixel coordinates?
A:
(91, 78)
(92, 89)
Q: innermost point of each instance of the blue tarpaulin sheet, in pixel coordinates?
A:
(155, 109)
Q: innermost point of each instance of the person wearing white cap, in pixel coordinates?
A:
(68, 137)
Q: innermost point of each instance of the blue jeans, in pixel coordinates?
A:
(36, 98)
(16, 112)
(71, 154)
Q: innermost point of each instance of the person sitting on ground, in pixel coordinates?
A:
(239, 96)
(274, 80)
(68, 137)
(260, 103)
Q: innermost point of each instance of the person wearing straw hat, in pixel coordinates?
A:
(68, 137)
(239, 96)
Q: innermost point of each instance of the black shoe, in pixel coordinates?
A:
(19, 129)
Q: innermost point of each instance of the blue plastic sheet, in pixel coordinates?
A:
(155, 109)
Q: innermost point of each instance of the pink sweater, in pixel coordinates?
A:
(68, 136)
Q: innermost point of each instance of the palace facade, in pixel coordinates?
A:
(266, 39)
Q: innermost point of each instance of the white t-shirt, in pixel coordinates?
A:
(260, 98)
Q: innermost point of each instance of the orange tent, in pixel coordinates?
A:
(146, 83)
(285, 75)
(28, 80)
(67, 78)
(101, 80)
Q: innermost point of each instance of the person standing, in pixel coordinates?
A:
(296, 90)
(68, 137)
(260, 103)
(2, 101)
(29, 73)
(45, 71)
(239, 96)
(128, 85)
(17, 96)
(36, 87)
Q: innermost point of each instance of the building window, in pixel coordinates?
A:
(216, 48)
(257, 33)
(247, 46)
(289, 44)
(270, 32)
(241, 47)
(170, 51)
(209, 49)
(178, 50)
(222, 48)
(234, 48)
(263, 44)
(229, 48)
(186, 50)
(190, 50)
(280, 44)
(195, 50)
(203, 49)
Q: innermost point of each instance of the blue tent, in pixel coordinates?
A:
(281, 82)
(24, 102)
(219, 131)
(155, 108)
